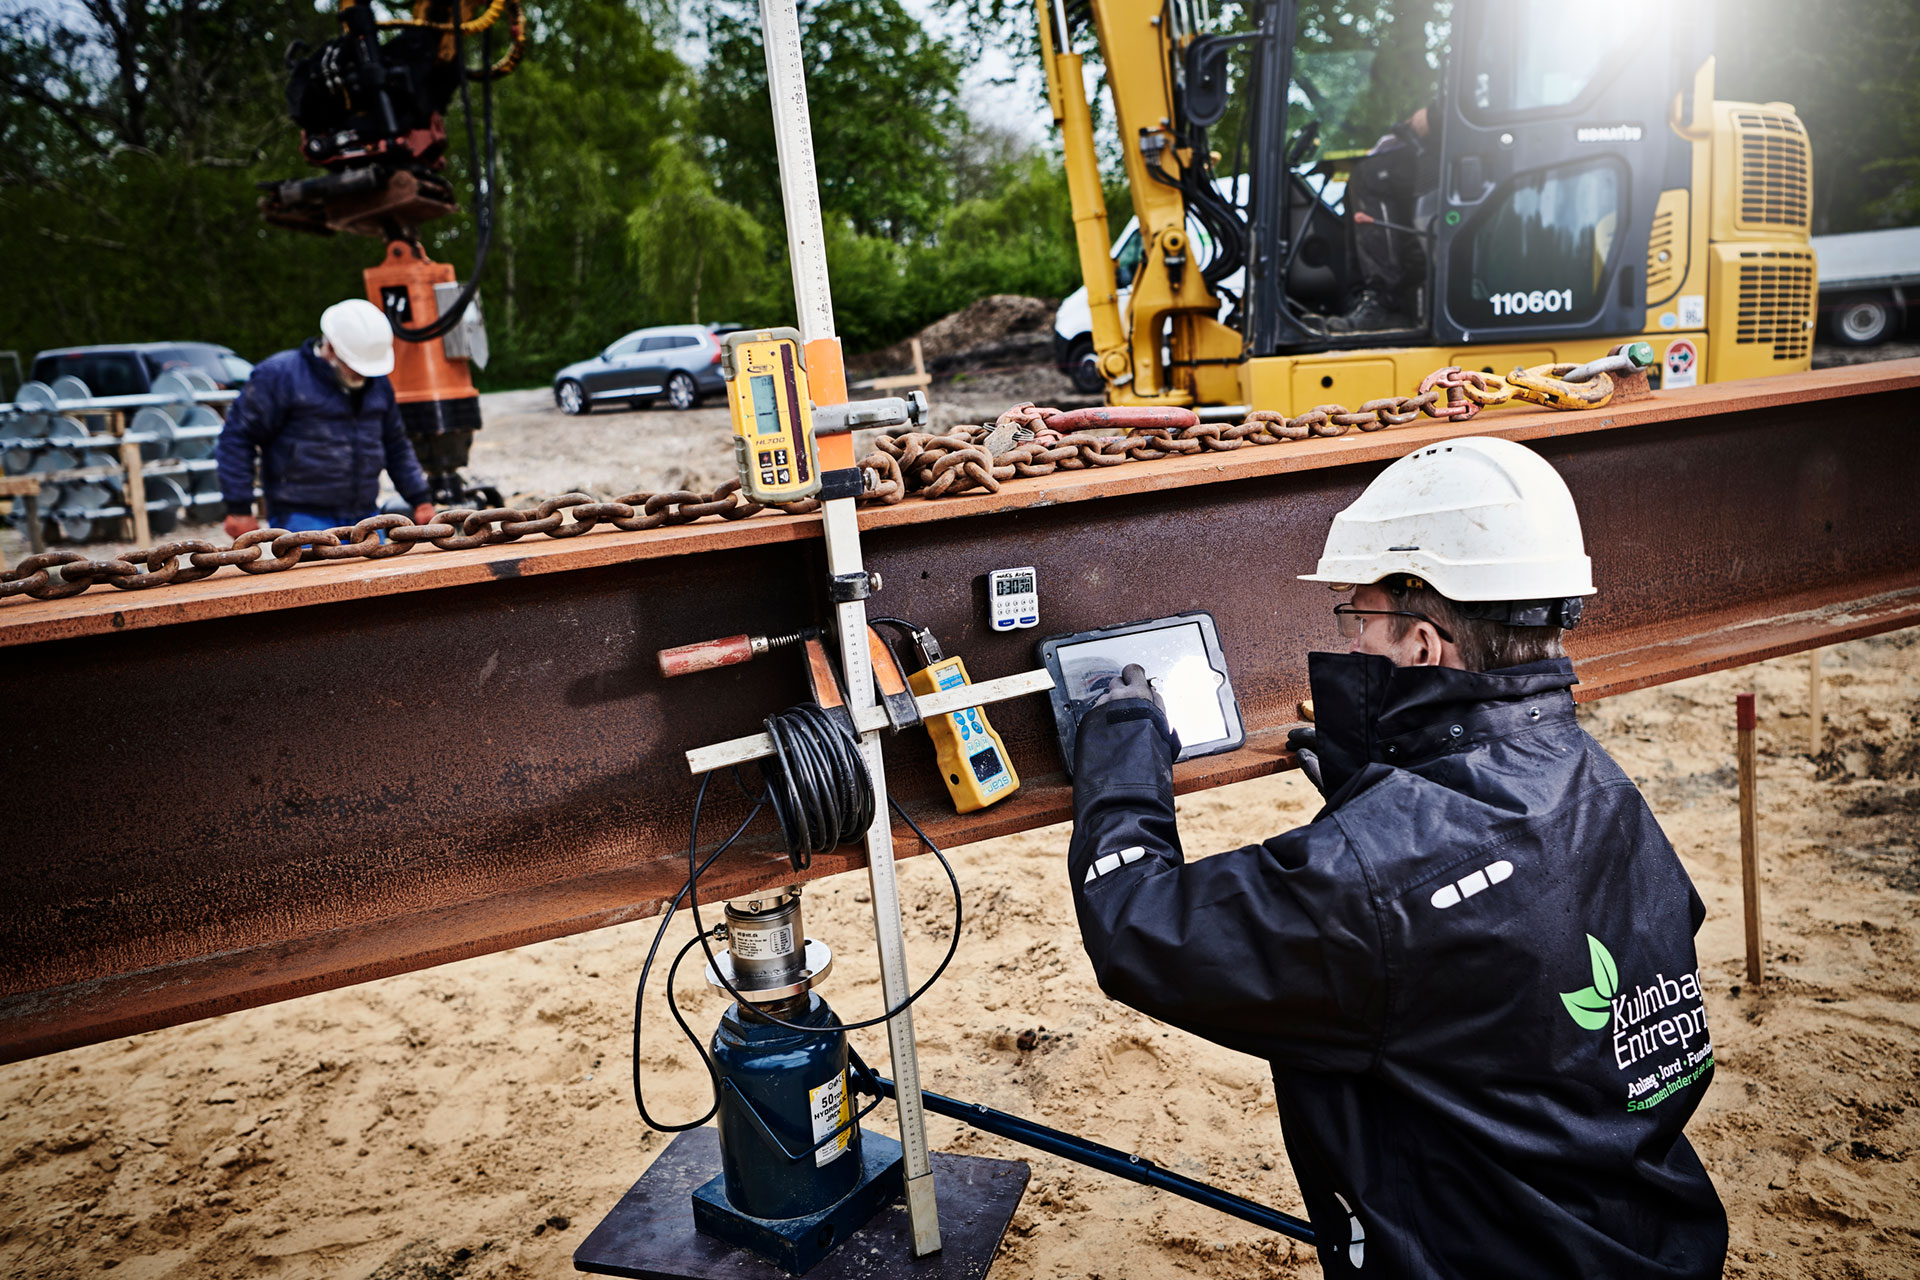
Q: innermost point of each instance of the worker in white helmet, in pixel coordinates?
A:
(1473, 973)
(322, 421)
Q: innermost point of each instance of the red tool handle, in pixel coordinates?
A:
(1122, 418)
(728, 651)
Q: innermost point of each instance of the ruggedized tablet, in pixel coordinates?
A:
(1183, 663)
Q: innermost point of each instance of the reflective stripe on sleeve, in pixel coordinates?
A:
(1113, 861)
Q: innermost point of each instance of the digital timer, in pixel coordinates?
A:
(1013, 599)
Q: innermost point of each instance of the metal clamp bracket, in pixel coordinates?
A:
(883, 411)
(845, 588)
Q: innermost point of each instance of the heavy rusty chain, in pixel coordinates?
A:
(58, 574)
(1025, 441)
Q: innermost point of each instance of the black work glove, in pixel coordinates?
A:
(1132, 684)
(1130, 697)
(1305, 743)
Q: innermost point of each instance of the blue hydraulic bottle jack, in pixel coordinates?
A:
(797, 1174)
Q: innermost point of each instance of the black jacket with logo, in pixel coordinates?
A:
(1473, 974)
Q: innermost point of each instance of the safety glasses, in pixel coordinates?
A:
(1351, 620)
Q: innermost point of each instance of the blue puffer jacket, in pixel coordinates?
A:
(319, 453)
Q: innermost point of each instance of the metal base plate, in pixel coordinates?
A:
(650, 1233)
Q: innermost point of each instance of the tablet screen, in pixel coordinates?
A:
(1175, 659)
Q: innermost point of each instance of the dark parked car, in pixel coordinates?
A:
(129, 368)
(678, 361)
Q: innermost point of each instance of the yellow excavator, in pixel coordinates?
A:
(1574, 185)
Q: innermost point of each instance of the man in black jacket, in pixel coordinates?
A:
(324, 419)
(1473, 973)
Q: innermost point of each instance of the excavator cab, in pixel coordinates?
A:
(1395, 186)
(1519, 207)
(1552, 166)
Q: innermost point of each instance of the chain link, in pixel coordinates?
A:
(1023, 442)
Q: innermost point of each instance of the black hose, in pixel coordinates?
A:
(818, 783)
(672, 1007)
(483, 205)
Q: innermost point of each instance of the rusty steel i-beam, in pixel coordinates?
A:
(239, 790)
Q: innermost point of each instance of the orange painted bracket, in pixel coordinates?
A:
(827, 378)
(827, 690)
(902, 711)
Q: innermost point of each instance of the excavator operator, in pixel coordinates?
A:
(1473, 973)
(1389, 256)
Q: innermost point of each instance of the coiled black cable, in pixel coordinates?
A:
(818, 785)
(820, 774)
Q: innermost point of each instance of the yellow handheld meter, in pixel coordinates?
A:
(773, 447)
(973, 761)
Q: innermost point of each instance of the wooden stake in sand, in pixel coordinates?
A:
(1814, 714)
(1749, 835)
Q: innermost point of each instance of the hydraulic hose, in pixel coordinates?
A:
(1092, 1154)
(483, 209)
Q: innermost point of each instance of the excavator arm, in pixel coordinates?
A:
(1164, 346)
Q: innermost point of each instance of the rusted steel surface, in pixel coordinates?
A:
(345, 774)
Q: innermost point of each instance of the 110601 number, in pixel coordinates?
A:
(1532, 303)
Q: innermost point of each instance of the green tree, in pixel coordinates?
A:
(576, 127)
(1014, 237)
(686, 240)
(1854, 77)
(884, 100)
(134, 132)
(132, 136)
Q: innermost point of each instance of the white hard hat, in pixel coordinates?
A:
(359, 334)
(1476, 519)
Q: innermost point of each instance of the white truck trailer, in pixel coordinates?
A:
(1866, 281)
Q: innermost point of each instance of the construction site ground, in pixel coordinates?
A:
(476, 1120)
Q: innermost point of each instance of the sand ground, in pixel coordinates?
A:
(475, 1120)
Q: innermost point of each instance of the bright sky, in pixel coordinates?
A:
(999, 90)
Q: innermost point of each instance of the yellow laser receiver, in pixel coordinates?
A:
(973, 761)
(766, 373)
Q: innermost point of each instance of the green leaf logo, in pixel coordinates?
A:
(1606, 976)
(1589, 1008)
(1592, 1007)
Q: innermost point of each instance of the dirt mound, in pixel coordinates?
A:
(1005, 328)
